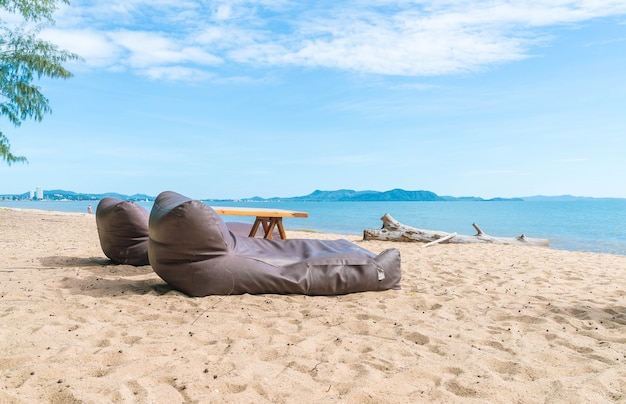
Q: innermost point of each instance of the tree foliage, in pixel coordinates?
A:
(32, 10)
(24, 58)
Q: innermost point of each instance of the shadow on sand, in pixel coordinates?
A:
(107, 277)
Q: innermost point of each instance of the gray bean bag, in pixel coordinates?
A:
(123, 231)
(192, 249)
(243, 229)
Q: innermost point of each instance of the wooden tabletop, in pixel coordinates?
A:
(259, 212)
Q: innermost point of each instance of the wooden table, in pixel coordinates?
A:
(269, 219)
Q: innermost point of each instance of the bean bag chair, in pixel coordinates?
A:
(123, 231)
(192, 249)
(243, 229)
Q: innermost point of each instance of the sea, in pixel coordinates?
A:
(593, 225)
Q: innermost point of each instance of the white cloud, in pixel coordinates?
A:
(145, 51)
(176, 73)
(96, 48)
(223, 12)
(401, 37)
(154, 49)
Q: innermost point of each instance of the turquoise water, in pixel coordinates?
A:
(581, 225)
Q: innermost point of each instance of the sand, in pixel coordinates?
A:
(472, 323)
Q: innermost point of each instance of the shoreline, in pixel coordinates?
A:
(472, 322)
(594, 241)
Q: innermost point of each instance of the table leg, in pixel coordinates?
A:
(265, 221)
(255, 227)
(281, 229)
(269, 224)
(275, 222)
(269, 227)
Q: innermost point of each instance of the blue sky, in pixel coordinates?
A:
(241, 98)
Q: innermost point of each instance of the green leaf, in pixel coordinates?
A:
(24, 58)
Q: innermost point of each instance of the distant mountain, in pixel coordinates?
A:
(476, 199)
(61, 195)
(397, 195)
(341, 195)
(348, 195)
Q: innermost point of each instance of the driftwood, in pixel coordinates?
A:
(393, 230)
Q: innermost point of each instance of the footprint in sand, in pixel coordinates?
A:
(416, 338)
(456, 388)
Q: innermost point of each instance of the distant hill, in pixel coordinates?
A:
(61, 195)
(341, 195)
(396, 195)
(345, 195)
(57, 194)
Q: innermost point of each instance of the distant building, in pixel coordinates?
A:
(31, 195)
(39, 191)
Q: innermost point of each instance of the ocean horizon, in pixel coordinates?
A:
(590, 225)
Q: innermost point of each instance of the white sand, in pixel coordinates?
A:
(473, 323)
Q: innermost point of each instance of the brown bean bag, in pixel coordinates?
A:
(123, 231)
(192, 249)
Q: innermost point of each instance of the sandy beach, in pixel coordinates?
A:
(472, 323)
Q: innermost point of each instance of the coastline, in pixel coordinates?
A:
(472, 322)
(592, 226)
